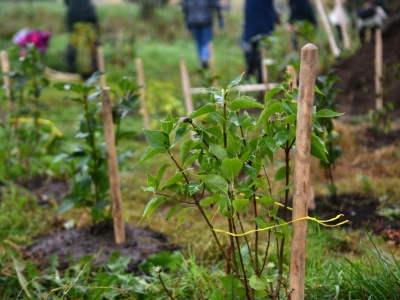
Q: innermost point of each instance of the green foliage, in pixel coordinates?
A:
(88, 161)
(325, 127)
(27, 137)
(232, 149)
(380, 118)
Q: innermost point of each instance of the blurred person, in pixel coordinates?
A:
(370, 16)
(82, 23)
(199, 15)
(259, 19)
(334, 18)
(300, 11)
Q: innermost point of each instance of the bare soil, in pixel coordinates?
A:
(357, 73)
(71, 245)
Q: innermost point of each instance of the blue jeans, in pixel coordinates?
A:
(203, 36)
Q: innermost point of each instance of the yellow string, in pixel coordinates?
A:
(322, 222)
(54, 130)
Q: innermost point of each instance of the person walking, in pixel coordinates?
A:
(370, 16)
(199, 16)
(259, 20)
(82, 23)
(300, 11)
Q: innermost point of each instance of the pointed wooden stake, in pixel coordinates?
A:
(327, 27)
(141, 82)
(342, 24)
(308, 66)
(101, 65)
(5, 69)
(186, 87)
(119, 227)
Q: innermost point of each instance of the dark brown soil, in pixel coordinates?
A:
(357, 73)
(76, 243)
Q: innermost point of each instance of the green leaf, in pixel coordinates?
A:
(216, 183)
(152, 181)
(239, 204)
(268, 201)
(281, 137)
(236, 81)
(318, 149)
(206, 109)
(318, 91)
(245, 102)
(150, 153)
(273, 92)
(157, 138)
(218, 151)
(176, 179)
(267, 112)
(68, 202)
(173, 210)
(279, 236)
(231, 167)
(160, 174)
(192, 157)
(180, 216)
(280, 174)
(167, 124)
(180, 133)
(257, 284)
(326, 113)
(284, 227)
(93, 96)
(151, 206)
(211, 200)
(185, 148)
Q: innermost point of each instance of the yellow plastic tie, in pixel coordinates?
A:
(322, 222)
(54, 130)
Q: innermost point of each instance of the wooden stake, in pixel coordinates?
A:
(186, 87)
(264, 70)
(119, 228)
(309, 56)
(101, 65)
(378, 69)
(327, 27)
(342, 24)
(142, 91)
(5, 69)
(212, 63)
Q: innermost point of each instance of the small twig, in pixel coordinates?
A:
(158, 270)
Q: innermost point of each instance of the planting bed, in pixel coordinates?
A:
(98, 240)
(357, 73)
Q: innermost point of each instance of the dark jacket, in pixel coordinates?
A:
(200, 12)
(259, 18)
(301, 10)
(80, 11)
(369, 11)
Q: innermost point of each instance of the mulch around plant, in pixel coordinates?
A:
(97, 240)
(357, 73)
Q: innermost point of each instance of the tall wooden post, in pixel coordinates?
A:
(264, 70)
(101, 65)
(378, 69)
(141, 82)
(327, 27)
(5, 69)
(119, 227)
(308, 65)
(342, 24)
(212, 64)
(186, 87)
